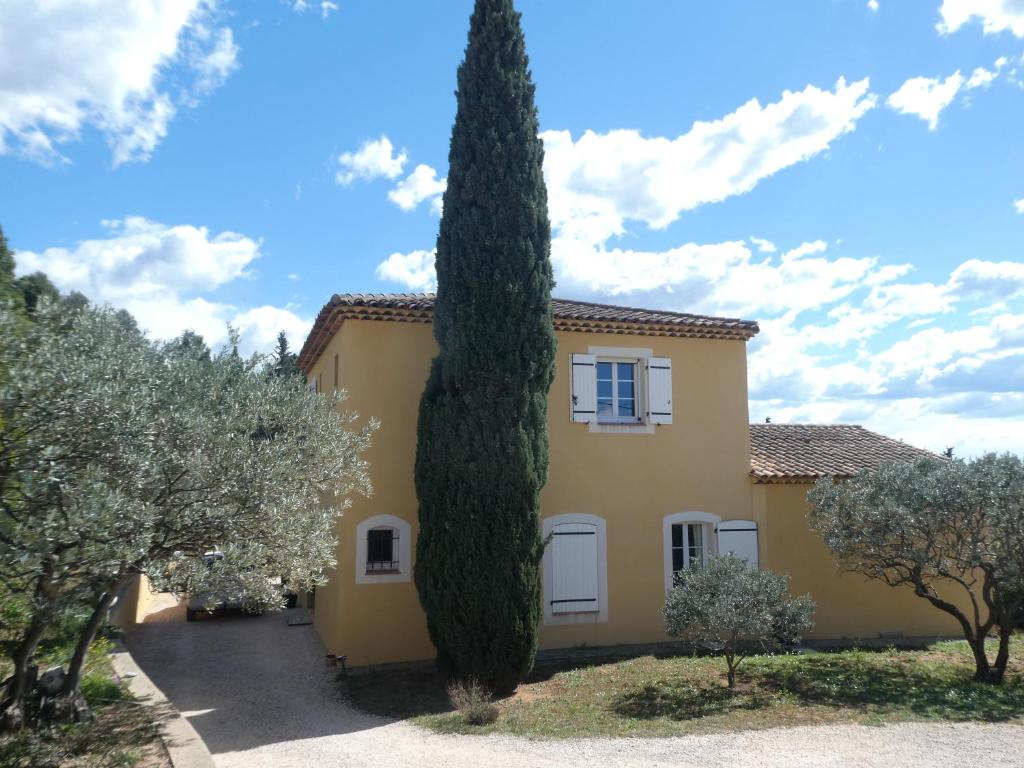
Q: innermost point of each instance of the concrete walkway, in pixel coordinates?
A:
(259, 694)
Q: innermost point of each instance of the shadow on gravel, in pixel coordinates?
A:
(246, 681)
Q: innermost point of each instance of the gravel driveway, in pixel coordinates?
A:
(259, 694)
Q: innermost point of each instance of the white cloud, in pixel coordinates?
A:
(994, 15)
(762, 245)
(157, 272)
(327, 7)
(830, 322)
(981, 77)
(420, 185)
(259, 327)
(926, 97)
(599, 181)
(374, 159)
(725, 278)
(1019, 205)
(216, 60)
(414, 270)
(873, 5)
(123, 68)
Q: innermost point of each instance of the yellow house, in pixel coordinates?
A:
(653, 465)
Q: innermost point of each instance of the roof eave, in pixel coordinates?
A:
(336, 311)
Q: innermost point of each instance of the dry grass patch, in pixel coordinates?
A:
(669, 696)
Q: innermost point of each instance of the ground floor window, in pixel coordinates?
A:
(383, 545)
(382, 550)
(575, 569)
(688, 542)
(689, 545)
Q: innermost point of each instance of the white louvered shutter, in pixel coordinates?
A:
(583, 402)
(574, 569)
(740, 538)
(659, 390)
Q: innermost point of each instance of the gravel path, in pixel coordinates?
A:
(259, 694)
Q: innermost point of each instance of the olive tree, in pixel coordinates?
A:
(951, 531)
(733, 607)
(121, 457)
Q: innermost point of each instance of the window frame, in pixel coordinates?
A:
(641, 425)
(402, 531)
(685, 548)
(637, 418)
(708, 521)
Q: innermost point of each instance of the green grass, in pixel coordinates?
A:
(122, 735)
(668, 696)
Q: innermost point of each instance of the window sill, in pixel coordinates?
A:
(621, 428)
(378, 572)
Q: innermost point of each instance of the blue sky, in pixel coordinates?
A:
(848, 173)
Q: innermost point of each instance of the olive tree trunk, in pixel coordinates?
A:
(70, 704)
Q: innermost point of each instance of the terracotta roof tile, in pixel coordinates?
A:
(569, 315)
(805, 452)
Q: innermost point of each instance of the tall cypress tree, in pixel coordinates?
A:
(482, 457)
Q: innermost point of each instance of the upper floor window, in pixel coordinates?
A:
(616, 391)
(611, 386)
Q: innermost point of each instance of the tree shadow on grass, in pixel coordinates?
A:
(407, 693)
(679, 700)
(399, 694)
(889, 685)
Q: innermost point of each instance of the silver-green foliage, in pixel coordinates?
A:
(121, 456)
(953, 532)
(733, 607)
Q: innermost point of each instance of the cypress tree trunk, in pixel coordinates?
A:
(482, 456)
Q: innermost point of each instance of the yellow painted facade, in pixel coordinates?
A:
(632, 480)
(849, 606)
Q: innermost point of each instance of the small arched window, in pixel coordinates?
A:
(383, 550)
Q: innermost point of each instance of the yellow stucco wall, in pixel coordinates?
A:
(849, 606)
(698, 463)
(137, 602)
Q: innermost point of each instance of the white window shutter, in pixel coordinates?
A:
(740, 538)
(659, 390)
(583, 402)
(574, 569)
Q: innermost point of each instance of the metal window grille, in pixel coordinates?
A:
(382, 551)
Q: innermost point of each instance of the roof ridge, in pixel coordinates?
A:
(808, 424)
